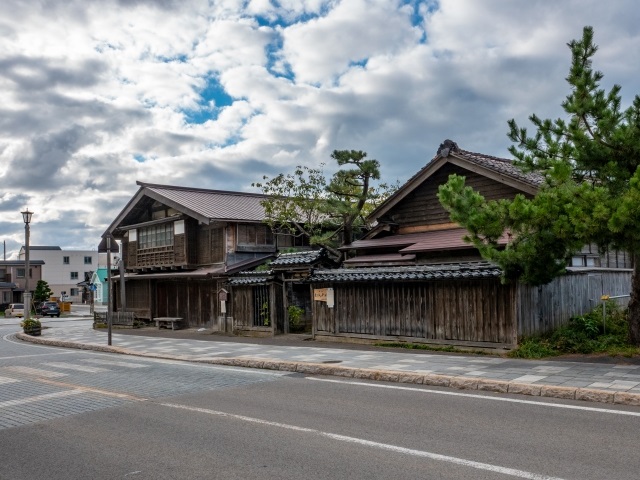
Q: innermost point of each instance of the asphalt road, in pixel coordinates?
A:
(68, 414)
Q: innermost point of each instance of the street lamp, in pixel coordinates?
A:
(26, 217)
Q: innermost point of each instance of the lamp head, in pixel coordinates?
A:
(26, 216)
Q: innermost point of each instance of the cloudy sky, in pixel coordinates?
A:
(97, 94)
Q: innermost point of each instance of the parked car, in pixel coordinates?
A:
(50, 309)
(15, 310)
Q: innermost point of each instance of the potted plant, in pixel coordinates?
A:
(295, 316)
(31, 326)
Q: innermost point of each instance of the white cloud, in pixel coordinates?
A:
(115, 91)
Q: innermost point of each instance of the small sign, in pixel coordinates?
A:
(330, 298)
(320, 294)
(222, 295)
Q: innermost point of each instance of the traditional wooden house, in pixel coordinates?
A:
(413, 277)
(179, 245)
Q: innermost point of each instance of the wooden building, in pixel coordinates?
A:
(179, 246)
(261, 300)
(414, 278)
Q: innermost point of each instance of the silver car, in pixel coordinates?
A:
(14, 310)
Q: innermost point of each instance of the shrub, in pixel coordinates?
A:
(583, 334)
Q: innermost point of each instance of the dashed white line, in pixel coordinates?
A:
(368, 443)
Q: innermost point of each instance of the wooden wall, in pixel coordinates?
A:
(544, 308)
(464, 312)
(137, 297)
(422, 207)
(193, 300)
(210, 244)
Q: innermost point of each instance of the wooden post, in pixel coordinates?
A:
(285, 306)
(272, 309)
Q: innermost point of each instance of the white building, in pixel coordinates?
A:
(64, 269)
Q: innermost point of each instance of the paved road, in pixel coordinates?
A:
(81, 414)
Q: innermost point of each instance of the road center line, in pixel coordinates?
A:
(368, 443)
(483, 397)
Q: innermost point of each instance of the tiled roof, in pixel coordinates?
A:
(251, 278)
(299, 258)
(382, 258)
(213, 204)
(501, 165)
(468, 270)
(450, 239)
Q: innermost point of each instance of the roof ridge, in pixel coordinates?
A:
(492, 157)
(196, 189)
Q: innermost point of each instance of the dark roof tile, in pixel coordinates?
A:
(410, 273)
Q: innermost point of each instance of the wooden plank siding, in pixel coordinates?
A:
(194, 300)
(422, 207)
(468, 311)
(544, 308)
(138, 297)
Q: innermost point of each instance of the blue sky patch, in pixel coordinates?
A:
(212, 92)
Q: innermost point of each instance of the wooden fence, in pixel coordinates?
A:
(464, 312)
(545, 308)
(117, 318)
(461, 312)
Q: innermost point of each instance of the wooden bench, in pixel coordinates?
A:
(166, 321)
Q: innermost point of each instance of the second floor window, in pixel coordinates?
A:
(20, 272)
(254, 235)
(74, 275)
(65, 260)
(87, 260)
(156, 236)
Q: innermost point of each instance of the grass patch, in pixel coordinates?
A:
(433, 348)
(584, 334)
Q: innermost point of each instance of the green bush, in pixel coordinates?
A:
(583, 334)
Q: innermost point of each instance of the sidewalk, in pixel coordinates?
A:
(596, 382)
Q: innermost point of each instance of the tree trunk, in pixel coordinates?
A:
(634, 304)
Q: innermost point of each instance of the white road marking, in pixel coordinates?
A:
(35, 355)
(73, 366)
(368, 443)
(8, 380)
(115, 363)
(483, 397)
(34, 372)
(37, 398)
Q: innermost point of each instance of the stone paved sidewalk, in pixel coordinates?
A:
(609, 383)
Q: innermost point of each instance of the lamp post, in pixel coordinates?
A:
(26, 217)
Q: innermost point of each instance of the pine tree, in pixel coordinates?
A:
(591, 190)
(42, 293)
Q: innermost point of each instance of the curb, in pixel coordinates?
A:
(434, 380)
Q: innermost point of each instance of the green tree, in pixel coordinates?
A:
(42, 293)
(590, 191)
(304, 203)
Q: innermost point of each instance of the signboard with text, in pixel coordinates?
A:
(320, 294)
